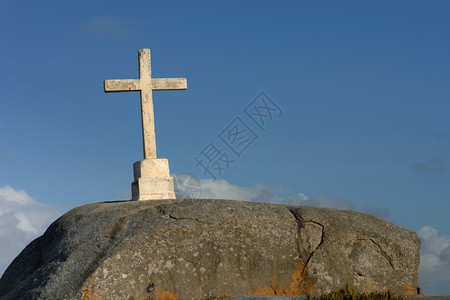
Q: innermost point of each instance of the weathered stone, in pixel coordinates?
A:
(195, 248)
(347, 247)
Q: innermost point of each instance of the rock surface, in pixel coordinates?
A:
(196, 248)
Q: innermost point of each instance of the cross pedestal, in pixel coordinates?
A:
(152, 179)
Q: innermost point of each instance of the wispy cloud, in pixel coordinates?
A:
(108, 27)
(432, 166)
(187, 186)
(190, 187)
(434, 271)
(320, 201)
(22, 219)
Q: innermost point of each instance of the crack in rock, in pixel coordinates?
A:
(310, 237)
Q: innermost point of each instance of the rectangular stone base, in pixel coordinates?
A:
(152, 188)
(152, 180)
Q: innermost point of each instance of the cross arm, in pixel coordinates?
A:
(122, 85)
(165, 84)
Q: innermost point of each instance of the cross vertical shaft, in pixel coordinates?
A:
(147, 113)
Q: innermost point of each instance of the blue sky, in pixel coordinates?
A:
(363, 88)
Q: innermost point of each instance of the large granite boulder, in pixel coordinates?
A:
(196, 248)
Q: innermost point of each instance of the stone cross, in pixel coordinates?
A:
(146, 85)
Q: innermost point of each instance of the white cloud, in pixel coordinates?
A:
(221, 189)
(434, 271)
(322, 201)
(187, 186)
(107, 26)
(22, 219)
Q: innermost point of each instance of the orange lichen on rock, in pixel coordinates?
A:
(301, 284)
(166, 295)
(411, 291)
(87, 292)
(301, 281)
